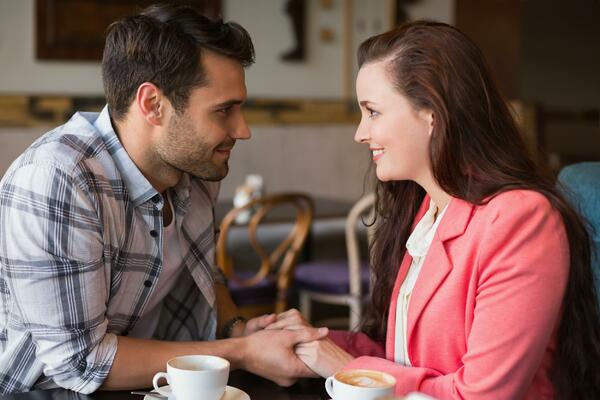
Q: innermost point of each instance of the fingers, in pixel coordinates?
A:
(258, 323)
(289, 313)
(287, 319)
(264, 320)
(307, 335)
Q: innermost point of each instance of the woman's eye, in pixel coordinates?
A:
(372, 113)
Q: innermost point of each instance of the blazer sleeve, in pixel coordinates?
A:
(522, 270)
(357, 344)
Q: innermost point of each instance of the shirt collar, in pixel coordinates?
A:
(139, 188)
(420, 239)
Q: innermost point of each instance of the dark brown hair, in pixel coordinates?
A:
(476, 152)
(162, 45)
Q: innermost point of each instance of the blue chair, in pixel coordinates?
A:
(343, 282)
(581, 185)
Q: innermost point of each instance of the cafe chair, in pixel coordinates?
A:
(276, 232)
(343, 282)
(581, 184)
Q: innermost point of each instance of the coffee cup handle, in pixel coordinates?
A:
(329, 387)
(155, 383)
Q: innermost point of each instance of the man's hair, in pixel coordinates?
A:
(162, 45)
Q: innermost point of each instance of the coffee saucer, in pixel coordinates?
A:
(231, 393)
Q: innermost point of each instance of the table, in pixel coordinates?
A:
(256, 387)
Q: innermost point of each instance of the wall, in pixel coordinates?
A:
(318, 77)
(560, 75)
(21, 73)
(561, 54)
(319, 159)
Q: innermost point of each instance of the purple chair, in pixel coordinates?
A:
(343, 282)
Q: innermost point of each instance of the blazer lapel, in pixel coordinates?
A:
(437, 263)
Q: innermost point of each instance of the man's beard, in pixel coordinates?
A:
(184, 151)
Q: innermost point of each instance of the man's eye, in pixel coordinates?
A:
(224, 110)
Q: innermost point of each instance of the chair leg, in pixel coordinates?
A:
(305, 304)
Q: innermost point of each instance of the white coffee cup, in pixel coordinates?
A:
(360, 384)
(194, 377)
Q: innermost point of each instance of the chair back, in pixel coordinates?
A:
(352, 248)
(281, 260)
(581, 184)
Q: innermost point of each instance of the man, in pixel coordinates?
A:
(107, 231)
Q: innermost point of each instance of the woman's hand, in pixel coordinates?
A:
(290, 319)
(271, 354)
(323, 356)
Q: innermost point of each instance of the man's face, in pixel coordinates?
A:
(199, 140)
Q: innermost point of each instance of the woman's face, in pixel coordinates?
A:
(397, 134)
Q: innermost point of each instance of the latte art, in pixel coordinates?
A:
(368, 379)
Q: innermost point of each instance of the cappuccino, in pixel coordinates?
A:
(360, 384)
(365, 378)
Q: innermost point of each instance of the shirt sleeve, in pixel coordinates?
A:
(522, 273)
(52, 256)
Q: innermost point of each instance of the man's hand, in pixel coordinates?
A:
(270, 353)
(258, 323)
(323, 357)
(290, 319)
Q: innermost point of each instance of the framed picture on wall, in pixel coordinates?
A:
(74, 29)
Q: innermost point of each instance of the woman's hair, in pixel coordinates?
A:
(476, 152)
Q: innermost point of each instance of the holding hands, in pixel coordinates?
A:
(322, 356)
(286, 347)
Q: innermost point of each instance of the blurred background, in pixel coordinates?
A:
(301, 108)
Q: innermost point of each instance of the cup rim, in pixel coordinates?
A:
(389, 377)
(226, 365)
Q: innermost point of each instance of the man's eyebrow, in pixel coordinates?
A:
(229, 103)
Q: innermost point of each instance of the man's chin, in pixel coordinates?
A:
(217, 174)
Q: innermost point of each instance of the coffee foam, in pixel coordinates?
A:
(369, 379)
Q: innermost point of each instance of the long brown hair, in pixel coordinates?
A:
(476, 152)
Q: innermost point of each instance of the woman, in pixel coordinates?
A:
(483, 287)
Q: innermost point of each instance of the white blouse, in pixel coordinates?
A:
(417, 246)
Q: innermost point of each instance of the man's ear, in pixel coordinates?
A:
(149, 101)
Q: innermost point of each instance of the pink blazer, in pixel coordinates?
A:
(484, 311)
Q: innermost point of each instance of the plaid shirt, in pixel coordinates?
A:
(80, 255)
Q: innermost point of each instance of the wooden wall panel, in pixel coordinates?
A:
(495, 25)
(74, 29)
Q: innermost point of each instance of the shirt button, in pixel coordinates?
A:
(148, 283)
(153, 233)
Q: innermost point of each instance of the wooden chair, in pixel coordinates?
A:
(343, 282)
(263, 288)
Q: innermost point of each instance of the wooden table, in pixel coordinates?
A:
(256, 387)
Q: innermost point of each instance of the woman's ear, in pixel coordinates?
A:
(429, 117)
